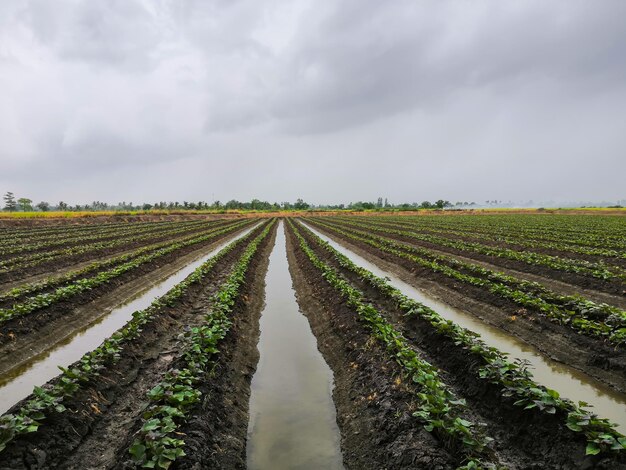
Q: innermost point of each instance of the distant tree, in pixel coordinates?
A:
(386, 203)
(146, 207)
(379, 203)
(9, 202)
(426, 205)
(25, 204)
(43, 206)
(233, 204)
(62, 206)
(440, 204)
(300, 205)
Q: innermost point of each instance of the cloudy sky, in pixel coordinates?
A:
(329, 101)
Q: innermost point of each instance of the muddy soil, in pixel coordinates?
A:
(23, 338)
(522, 437)
(613, 287)
(595, 358)
(101, 419)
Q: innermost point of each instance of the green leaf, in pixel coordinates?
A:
(151, 425)
(592, 449)
(138, 451)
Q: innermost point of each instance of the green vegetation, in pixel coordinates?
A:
(40, 301)
(158, 442)
(580, 314)
(514, 378)
(32, 414)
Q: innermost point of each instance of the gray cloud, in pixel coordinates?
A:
(323, 100)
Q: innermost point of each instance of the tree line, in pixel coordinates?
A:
(23, 204)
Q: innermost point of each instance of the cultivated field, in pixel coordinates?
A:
(465, 341)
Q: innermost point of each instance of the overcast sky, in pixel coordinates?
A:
(324, 100)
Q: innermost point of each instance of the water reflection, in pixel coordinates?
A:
(292, 415)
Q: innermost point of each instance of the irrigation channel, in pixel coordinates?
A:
(292, 414)
(569, 382)
(19, 383)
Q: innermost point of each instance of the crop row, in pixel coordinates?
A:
(574, 304)
(439, 409)
(519, 241)
(52, 282)
(515, 380)
(582, 267)
(134, 229)
(27, 233)
(44, 300)
(34, 235)
(49, 399)
(35, 259)
(583, 315)
(573, 230)
(158, 442)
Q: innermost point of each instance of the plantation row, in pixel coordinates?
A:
(556, 245)
(23, 290)
(73, 287)
(20, 246)
(579, 313)
(578, 266)
(585, 231)
(32, 259)
(446, 409)
(175, 394)
(26, 265)
(21, 234)
(171, 387)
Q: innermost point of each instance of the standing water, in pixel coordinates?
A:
(19, 383)
(569, 382)
(292, 415)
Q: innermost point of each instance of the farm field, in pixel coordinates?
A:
(439, 342)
